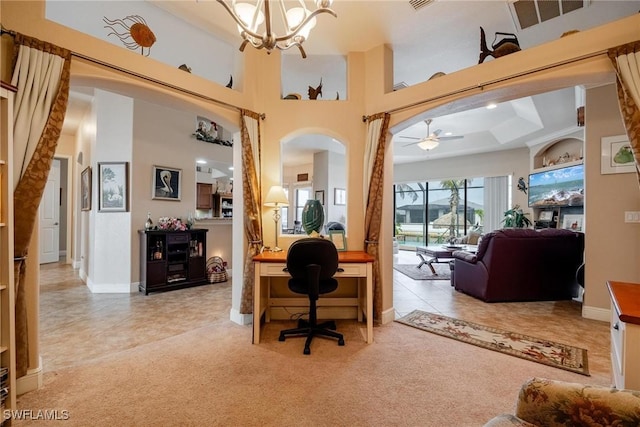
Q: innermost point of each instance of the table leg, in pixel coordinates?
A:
(422, 260)
(369, 303)
(429, 263)
(426, 261)
(256, 304)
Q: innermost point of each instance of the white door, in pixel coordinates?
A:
(50, 217)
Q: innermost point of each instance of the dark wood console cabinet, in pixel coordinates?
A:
(172, 259)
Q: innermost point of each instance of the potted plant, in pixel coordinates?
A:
(515, 218)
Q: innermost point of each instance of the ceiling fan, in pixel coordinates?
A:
(432, 140)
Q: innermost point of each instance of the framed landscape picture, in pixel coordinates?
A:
(85, 189)
(113, 187)
(166, 183)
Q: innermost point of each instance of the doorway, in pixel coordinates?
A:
(53, 213)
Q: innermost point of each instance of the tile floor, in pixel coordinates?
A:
(77, 326)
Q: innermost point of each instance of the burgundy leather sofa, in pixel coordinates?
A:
(521, 265)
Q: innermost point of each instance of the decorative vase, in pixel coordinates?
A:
(148, 225)
(312, 216)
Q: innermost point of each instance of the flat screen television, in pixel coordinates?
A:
(563, 186)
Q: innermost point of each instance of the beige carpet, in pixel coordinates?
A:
(214, 376)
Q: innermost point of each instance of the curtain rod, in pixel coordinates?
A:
(155, 81)
(492, 82)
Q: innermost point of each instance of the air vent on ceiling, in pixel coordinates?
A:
(527, 13)
(417, 4)
(399, 86)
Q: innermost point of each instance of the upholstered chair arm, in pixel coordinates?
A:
(465, 256)
(556, 403)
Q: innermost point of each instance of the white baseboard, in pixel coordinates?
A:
(241, 319)
(388, 316)
(596, 313)
(109, 288)
(31, 381)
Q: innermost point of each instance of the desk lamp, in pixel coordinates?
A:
(276, 197)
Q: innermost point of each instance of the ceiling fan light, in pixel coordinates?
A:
(428, 144)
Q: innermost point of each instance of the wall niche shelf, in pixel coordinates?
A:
(561, 154)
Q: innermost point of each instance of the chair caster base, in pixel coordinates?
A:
(340, 342)
(307, 350)
(281, 338)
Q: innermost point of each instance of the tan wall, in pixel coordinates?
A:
(612, 246)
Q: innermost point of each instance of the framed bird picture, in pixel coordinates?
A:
(113, 187)
(166, 183)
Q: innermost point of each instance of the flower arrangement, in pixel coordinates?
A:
(172, 224)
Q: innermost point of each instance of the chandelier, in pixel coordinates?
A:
(296, 22)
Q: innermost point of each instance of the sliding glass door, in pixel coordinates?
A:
(435, 212)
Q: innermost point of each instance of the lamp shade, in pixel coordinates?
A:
(276, 197)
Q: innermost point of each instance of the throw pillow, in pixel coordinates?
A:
(472, 238)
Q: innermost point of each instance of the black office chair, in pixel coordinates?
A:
(312, 262)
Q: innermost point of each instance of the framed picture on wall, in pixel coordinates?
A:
(166, 183)
(616, 155)
(85, 189)
(339, 196)
(113, 187)
(319, 195)
(572, 222)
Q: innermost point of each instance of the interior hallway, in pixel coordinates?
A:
(77, 326)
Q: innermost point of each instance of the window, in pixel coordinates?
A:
(302, 195)
(284, 212)
(434, 212)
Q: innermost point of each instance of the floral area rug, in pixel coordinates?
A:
(543, 351)
(424, 272)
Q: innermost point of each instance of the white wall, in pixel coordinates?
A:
(110, 247)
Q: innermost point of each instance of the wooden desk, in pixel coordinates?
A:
(357, 264)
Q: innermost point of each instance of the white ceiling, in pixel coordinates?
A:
(440, 37)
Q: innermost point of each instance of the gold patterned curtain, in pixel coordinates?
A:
(41, 74)
(377, 128)
(626, 60)
(251, 190)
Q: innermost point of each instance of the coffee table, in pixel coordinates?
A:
(439, 254)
